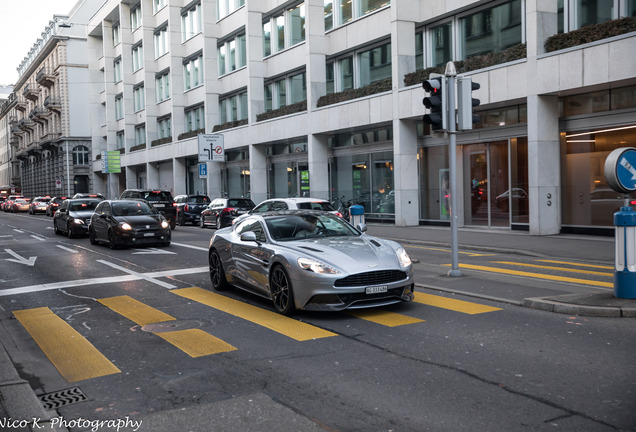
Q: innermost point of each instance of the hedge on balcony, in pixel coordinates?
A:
(286, 110)
(160, 141)
(138, 147)
(590, 33)
(350, 94)
(229, 125)
(513, 53)
(190, 134)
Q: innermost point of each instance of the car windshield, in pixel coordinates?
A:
(83, 205)
(136, 208)
(157, 196)
(295, 227)
(319, 205)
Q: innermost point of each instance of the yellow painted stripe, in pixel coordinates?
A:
(196, 342)
(453, 304)
(72, 355)
(287, 326)
(579, 264)
(555, 268)
(135, 310)
(448, 250)
(538, 275)
(385, 318)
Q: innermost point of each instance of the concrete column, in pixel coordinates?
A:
(152, 175)
(541, 23)
(407, 199)
(318, 158)
(544, 165)
(258, 173)
(179, 175)
(214, 186)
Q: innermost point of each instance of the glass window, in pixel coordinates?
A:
(346, 11)
(623, 98)
(232, 55)
(139, 99)
(194, 119)
(297, 24)
(117, 75)
(586, 103)
(241, 46)
(193, 73)
(140, 134)
(281, 89)
(269, 97)
(191, 23)
(157, 5)
(367, 6)
(267, 38)
(345, 71)
(331, 78)
(279, 23)
(119, 107)
(328, 14)
(222, 50)
(226, 7)
(164, 128)
(137, 58)
(116, 35)
(161, 42)
(441, 44)
(284, 30)
(81, 155)
(135, 18)
(419, 51)
(592, 12)
(297, 88)
(120, 141)
(162, 87)
(375, 65)
(223, 111)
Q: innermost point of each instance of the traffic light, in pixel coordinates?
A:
(436, 103)
(466, 103)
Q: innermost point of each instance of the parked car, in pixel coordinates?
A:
(315, 261)
(121, 223)
(222, 211)
(20, 205)
(54, 204)
(162, 200)
(6, 205)
(88, 195)
(73, 216)
(277, 204)
(38, 205)
(189, 208)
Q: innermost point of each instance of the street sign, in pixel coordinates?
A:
(620, 169)
(211, 148)
(111, 161)
(203, 170)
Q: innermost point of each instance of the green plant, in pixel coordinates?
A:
(160, 141)
(343, 96)
(286, 110)
(590, 33)
(229, 125)
(138, 147)
(190, 134)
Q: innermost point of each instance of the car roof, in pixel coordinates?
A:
(297, 199)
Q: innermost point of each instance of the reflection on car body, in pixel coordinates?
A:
(310, 260)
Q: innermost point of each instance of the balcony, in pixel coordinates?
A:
(21, 106)
(39, 114)
(26, 123)
(52, 103)
(13, 120)
(31, 93)
(49, 138)
(45, 78)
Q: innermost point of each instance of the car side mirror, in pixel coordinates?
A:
(249, 236)
(362, 227)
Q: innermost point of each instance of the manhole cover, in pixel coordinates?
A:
(61, 398)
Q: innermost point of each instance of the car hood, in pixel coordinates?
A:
(354, 254)
(81, 214)
(140, 220)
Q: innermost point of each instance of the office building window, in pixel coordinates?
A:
(139, 99)
(140, 134)
(81, 155)
(359, 69)
(232, 54)
(120, 141)
(162, 86)
(339, 12)
(119, 107)
(157, 5)
(191, 22)
(375, 65)
(194, 118)
(233, 108)
(441, 44)
(226, 7)
(135, 18)
(137, 57)
(193, 72)
(164, 128)
(116, 35)
(286, 91)
(117, 76)
(162, 42)
(283, 30)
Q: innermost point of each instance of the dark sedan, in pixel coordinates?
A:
(73, 216)
(189, 208)
(121, 223)
(222, 211)
(54, 204)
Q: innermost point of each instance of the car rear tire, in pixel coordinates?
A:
(281, 291)
(55, 228)
(180, 220)
(218, 222)
(69, 231)
(202, 222)
(217, 274)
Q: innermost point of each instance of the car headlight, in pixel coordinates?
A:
(78, 221)
(126, 227)
(403, 257)
(164, 224)
(316, 266)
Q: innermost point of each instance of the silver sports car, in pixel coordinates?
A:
(310, 260)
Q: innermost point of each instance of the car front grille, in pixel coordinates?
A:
(371, 278)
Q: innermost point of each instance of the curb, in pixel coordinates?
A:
(555, 306)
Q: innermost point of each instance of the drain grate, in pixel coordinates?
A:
(62, 398)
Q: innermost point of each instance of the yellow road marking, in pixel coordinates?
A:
(555, 268)
(135, 310)
(194, 342)
(453, 304)
(537, 275)
(578, 264)
(385, 318)
(447, 250)
(72, 355)
(287, 326)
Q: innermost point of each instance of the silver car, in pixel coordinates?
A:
(310, 260)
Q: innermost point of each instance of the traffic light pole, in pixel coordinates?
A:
(450, 75)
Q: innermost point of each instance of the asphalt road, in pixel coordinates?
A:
(143, 337)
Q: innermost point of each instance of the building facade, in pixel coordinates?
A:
(324, 98)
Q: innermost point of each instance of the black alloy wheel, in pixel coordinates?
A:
(202, 222)
(218, 222)
(91, 236)
(281, 291)
(112, 242)
(69, 231)
(217, 274)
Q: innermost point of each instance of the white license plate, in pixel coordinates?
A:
(377, 289)
(149, 234)
(158, 205)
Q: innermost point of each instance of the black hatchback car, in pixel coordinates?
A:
(189, 208)
(127, 223)
(162, 200)
(73, 216)
(222, 211)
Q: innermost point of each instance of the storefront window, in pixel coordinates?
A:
(519, 204)
(587, 198)
(434, 183)
(382, 193)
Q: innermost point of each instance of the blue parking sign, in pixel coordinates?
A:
(203, 170)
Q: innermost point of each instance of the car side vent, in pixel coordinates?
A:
(376, 243)
(311, 249)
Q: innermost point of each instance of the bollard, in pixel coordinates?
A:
(356, 214)
(625, 262)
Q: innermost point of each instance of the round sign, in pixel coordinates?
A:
(620, 169)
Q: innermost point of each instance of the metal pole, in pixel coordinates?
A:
(451, 73)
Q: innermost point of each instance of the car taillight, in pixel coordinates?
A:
(632, 202)
(228, 210)
(185, 207)
(339, 214)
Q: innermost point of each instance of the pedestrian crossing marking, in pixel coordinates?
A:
(453, 304)
(135, 310)
(194, 342)
(579, 264)
(72, 355)
(539, 276)
(274, 321)
(385, 318)
(590, 272)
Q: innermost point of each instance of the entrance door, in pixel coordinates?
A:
(486, 184)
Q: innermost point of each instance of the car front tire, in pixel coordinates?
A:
(217, 274)
(281, 291)
(112, 242)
